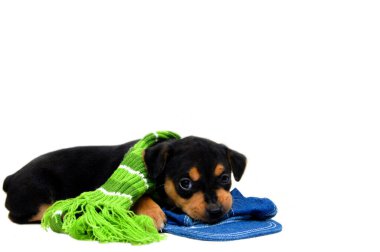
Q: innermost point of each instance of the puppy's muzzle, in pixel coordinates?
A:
(214, 212)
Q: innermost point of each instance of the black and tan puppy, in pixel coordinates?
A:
(192, 175)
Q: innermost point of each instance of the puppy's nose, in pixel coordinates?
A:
(215, 211)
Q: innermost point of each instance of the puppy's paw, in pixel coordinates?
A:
(158, 217)
(146, 206)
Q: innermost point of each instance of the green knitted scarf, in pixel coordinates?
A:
(104, 214)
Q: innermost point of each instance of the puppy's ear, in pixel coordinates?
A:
(237, 162)
(155, 159)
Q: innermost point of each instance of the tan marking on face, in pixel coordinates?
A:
(40, 213)
(225, 199)
(194, 174)
(195, 206)
(219, 169)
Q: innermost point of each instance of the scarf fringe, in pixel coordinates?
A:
(84, 220)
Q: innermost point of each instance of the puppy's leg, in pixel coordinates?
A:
(41, 210)
(27, 199)
(146, 206)
(24, 210)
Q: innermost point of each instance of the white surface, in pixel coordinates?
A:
(291, 84)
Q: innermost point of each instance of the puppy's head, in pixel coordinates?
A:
(196, 175)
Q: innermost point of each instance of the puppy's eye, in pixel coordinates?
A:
(185, 184)
(225, 179)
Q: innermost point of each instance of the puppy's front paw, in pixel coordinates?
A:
(146, 206)
(158, 216)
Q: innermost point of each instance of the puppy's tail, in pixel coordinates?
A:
(6, 183)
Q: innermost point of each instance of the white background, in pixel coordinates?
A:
(294, 85)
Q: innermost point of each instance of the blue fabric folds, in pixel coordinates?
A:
(248, 217)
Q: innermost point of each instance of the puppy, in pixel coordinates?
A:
(192, 175)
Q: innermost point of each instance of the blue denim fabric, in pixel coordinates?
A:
(248, 217)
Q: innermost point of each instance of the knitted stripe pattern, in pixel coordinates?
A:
(104, 214)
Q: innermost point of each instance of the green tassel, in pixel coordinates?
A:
(104, 215)
(83, 220)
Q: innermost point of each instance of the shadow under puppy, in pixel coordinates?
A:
(191, 174)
